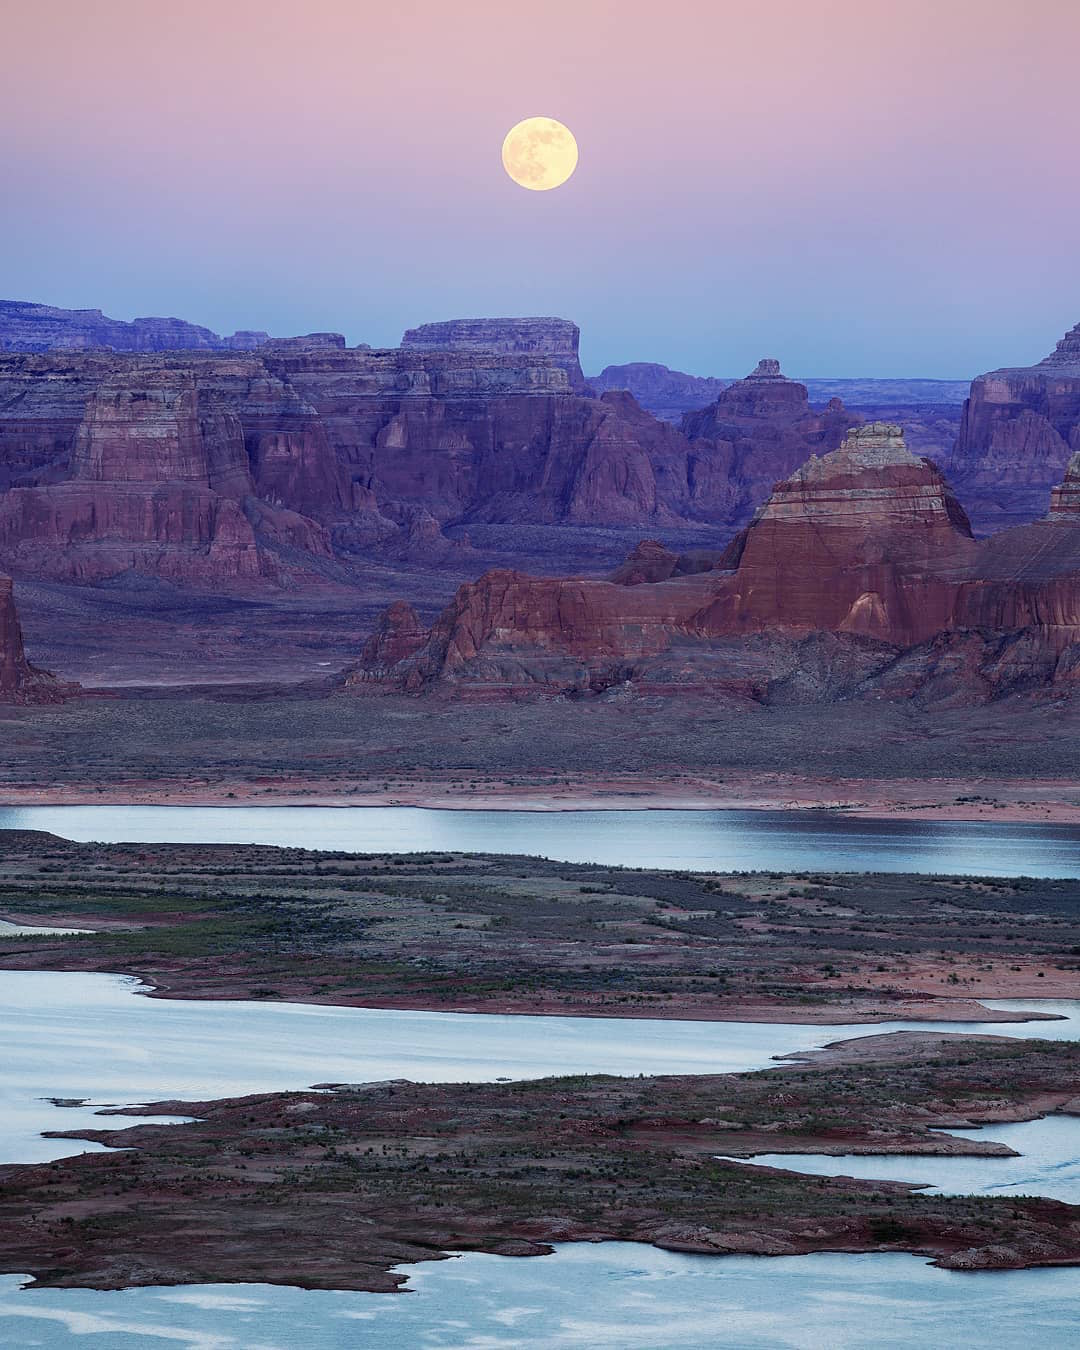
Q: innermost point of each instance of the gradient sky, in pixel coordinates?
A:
(874, 187)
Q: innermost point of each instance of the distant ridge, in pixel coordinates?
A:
(668, 394)
(29, 327)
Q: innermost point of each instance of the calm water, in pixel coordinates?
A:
(90, 1036)
(612, 1296)
(95, 1037)
(706, 840)
(1049, 1163)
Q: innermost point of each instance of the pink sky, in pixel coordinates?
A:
(857, 188)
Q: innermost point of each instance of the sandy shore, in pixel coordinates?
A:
(1041, 801)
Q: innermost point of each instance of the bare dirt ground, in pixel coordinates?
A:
(1014, 760)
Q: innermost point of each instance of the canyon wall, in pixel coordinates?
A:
(558, 339)
(141, 464)
(215, 467)
(374, 446)
(1019, 427)
(860, 576)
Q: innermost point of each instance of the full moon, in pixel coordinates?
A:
(540, 153)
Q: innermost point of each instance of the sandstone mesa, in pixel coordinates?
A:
(859, 577)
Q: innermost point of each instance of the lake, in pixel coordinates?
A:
(74, 1035)
(805, 841)
(77, 1035)
(96, 1039)
(1049, 1163)
(608, 1296)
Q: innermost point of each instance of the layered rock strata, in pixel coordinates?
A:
(860, 576)
(158, 479)
(558, 339)
(488, 436)
(1019, 427)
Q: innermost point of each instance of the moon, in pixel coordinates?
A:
(540, 153)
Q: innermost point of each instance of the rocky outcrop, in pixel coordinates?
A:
(1065, 498)
(854, 542)
(484, 421)
(860, 577)
(325, 341)
(28, 327)
(667, 394)
(399, 635)
(557, 339)
(757, 432)
(20, 682)
(13, 666)
(158, 480)
(1018, 430)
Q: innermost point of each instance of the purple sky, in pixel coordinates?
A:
(876, 187)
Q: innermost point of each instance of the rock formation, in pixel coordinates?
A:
(363, 440)
(1018, 430)
(860, 577)
(27, 327)
(209, 466)
(13, 667)
(20, 682)
(1065, 498)
(488, 436)
(158, 479)
(851, 542)
(398, 635)
(554, 338)
(667, 394)
(758, 431)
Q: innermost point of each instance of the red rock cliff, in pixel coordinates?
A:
(858, 558)
(855, 541)
(158, 481)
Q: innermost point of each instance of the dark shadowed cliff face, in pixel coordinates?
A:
(756, 433)
(27, 327)
(488, 436)
(860, 577)
(1018, 430)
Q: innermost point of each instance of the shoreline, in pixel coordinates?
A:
(922, 1006)
(1006, 801)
